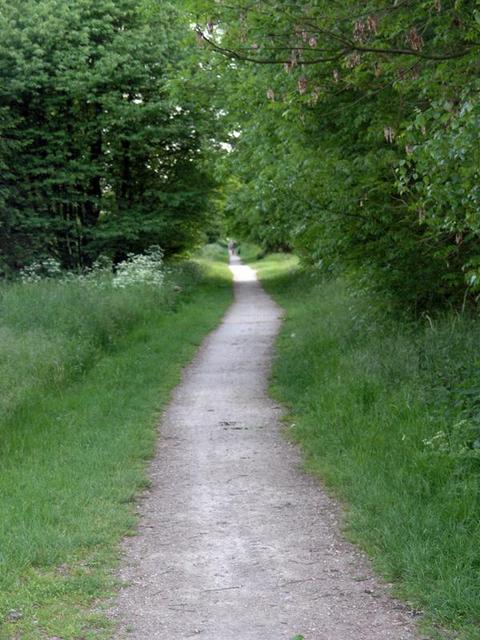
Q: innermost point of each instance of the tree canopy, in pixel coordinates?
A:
(359, 135)
(100, 152)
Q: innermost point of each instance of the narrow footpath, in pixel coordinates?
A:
(235, 541)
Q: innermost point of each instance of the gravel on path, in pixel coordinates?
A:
(235, 542)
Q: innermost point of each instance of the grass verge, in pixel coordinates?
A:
(77, 434)
(388, 416)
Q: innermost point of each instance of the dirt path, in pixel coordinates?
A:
(235, 542)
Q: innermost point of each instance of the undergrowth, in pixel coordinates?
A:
(388, 414)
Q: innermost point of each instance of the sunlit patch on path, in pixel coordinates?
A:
(241, 272)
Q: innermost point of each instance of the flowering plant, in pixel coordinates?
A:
(143, 269)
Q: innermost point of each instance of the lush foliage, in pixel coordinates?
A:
(54, 327)
(100, 151)
(85, 367)
(354, 133)
(387, 413)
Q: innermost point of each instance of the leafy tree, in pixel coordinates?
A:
(358, 140)
(97, 153)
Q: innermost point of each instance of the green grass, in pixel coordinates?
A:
(250, 252)
(214, 251)
(84, 376)
(366, 394)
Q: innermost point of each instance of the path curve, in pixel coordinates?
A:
(235, 542)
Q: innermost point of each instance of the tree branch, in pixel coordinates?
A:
(348, 47)
(231, 53)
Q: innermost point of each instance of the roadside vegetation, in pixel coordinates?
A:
(387, 413)
(86, 365)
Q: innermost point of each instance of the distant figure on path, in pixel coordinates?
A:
(232, 248)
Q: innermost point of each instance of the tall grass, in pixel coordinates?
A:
(52, 330)
(85, 369)
(388, 415)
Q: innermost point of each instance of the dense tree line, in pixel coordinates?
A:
(352, 133)
(355, 136)
(101, 151)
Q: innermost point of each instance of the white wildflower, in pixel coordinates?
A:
(144, 269)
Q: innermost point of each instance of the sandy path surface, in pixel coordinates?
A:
(235, 542)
